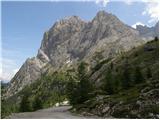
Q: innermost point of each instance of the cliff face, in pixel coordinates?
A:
(72, 39)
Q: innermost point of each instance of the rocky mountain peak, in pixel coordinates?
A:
(69, 21)
(103, 16)
(71, 40)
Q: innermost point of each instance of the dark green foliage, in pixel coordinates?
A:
(25, 104)
(79, 88)
(136, 54)
(7, 108)
(156, 39)
(72, 91)
(84, 85)
(149, 73)
(117, 84)
(138, 77)
(111, 65)
(43, 93)
(125, 76)
(109, 82)
(37, 103)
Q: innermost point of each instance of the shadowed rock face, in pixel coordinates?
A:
(72, 39)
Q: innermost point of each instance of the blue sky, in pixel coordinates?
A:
(23, 24)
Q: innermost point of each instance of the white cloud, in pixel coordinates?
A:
(128, 2)
(8, 69)
(137, 23)
(15, 70)
(102, 3)
(153, 10)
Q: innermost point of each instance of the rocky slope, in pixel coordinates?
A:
(139, 100)
(72, 39)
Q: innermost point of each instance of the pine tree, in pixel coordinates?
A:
(149, 73)
(156, 39)
(116, 83)
(138, 78)
(84, 85)
(25, 105)
(109, 87)
(125, 77)
(111, 65)
(37, 104)
(72, 91)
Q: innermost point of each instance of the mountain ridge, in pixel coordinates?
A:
(71, 40)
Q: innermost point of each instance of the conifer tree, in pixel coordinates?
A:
(109, 87)
(84, 86)
(72, 91)
(37, 103)
(25, 105)
(138, 77)
(125, 77)
(149, 74)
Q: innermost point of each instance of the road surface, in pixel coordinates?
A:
(60, 112)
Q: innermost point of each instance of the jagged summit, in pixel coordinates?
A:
(103, 15)
(69, 20)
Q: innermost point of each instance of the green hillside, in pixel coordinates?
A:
(131, 85)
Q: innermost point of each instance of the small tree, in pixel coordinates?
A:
(84, 85)
(111, 65)
(138, 78)
(116, 83)
(108, 85)
(25, 105)
(37, 103)
(125, 76)
(149, 73)
(156, 39)
(72, 91)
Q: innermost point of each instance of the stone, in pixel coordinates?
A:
(105, 109)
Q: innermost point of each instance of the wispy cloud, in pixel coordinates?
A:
(8, 69)
(8, 64)
(153, 10)
(102, 3)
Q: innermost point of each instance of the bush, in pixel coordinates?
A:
(37, 103)
(108, 85)
(138, 77)
(25, 105)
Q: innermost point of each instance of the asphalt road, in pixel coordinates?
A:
(60, 112)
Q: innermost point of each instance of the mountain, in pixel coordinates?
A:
(148, 32)
(71, 40)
